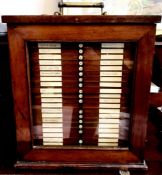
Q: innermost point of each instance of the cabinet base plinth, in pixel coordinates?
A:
(79, 166)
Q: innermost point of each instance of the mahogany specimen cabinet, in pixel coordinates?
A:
(81, 89)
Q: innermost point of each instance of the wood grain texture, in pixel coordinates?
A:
(85, 155)
(138, 29)
(45, 19)
(141, 92)
(20, 90)
(61, 32)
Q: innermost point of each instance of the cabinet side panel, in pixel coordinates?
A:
(20, 89)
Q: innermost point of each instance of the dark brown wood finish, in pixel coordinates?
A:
(70, 80)
(155, 99)
(82, 19)
(21, 93)
(143, 69)
(139, 29)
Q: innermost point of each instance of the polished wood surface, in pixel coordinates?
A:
(82, 19)
(75, 29)
(7, 147)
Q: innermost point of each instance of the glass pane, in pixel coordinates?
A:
(81, 93)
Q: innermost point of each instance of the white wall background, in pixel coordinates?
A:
(26, 7)
(114, 7)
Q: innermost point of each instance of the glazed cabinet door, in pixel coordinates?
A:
(81, 90)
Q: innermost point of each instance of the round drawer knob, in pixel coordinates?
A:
(80, 126)
(80, 68)
(80, 101)
(80, 131)
(80, 45)
(80, 63)
(80, 79)
(80, 74)
(80, 57)
(80, 141)
(80, 121)
(80, 116)
(80, 51)
(80, 95)
(80, 111)
(80, 91)
(80, 85)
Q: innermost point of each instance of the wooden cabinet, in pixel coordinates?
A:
(81, 89)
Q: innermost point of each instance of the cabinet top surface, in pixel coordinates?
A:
(51, 19)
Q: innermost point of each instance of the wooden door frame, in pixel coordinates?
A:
(30, 156)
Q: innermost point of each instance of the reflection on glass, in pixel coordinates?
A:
(110, 83)
(81, 93)
(51, 83)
